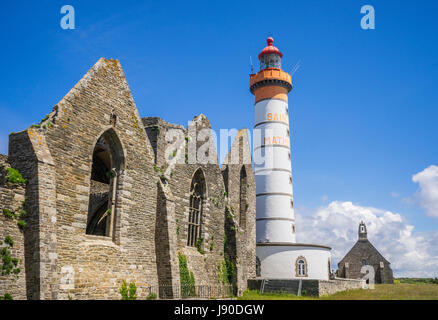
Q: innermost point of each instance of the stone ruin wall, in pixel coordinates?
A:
(58, 161)
(216, 246)
(241, 210)
(12, 197)
(61, 260)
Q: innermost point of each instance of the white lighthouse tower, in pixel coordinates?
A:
(278, 254)
(275, 213)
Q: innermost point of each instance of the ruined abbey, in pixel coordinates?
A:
(105, 197)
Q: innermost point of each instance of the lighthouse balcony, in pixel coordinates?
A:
(270, 76)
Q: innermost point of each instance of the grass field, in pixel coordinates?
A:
(401, 291)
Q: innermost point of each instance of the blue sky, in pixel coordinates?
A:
(363, 108)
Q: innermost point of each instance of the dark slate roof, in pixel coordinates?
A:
(364, 246)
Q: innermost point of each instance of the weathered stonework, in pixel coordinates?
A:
(70, 176)
(11, 198)
(217, 244)
(240, 215)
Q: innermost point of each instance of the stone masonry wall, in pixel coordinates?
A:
(11, 198)
(203, 265)
(327, 287)
(177, 170)
(241, 209)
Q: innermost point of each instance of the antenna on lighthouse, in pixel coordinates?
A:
(250, 62)
(296, 67)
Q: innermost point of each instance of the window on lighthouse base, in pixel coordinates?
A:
(301, 267)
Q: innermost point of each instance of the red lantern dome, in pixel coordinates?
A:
(270, 49)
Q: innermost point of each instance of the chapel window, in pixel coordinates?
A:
(197, 196)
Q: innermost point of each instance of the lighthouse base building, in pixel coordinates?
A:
(294, 261)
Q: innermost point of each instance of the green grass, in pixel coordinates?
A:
(403, 291)
(255, 295)
(418, 280)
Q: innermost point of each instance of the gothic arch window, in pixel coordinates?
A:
(197, 197)
(243, 196)
(301, 267)
(107, 165)
(364, 262)
(258, 267)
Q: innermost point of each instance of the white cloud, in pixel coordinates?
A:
(412, 254)
(427, 195)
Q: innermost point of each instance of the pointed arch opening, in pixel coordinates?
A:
(243, 196)
(107, 165)
(198, 190)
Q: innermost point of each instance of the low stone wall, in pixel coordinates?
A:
(336, 285)
(308, 287)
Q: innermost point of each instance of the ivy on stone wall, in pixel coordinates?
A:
(187, 279)
(8, 213)
(19, 216)
(14, 176)
(7, 296)
(226, 271)
(156, 129)
(215, 202)
(211, 243)
(199, 245)
(9, 264)
(222, 273)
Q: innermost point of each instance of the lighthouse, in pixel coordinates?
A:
(275, 214)
(279, 256)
